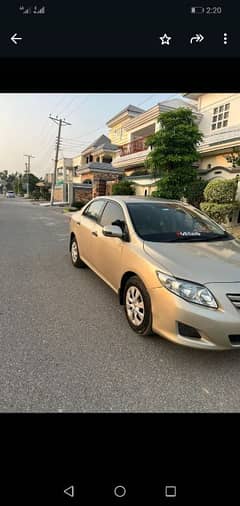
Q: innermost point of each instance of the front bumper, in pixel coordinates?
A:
(213, 325)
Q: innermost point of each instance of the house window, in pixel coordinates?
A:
(209, 166)
(119, 132)
(220, 116)
(107, 159)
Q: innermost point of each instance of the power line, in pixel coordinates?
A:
(68, 105)
(81, 103)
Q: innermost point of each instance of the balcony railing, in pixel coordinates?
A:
(134, 146)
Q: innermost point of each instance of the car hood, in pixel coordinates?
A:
(202, 262)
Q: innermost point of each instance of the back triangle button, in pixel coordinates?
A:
(69, 491)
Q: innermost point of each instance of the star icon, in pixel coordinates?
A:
(165, 39)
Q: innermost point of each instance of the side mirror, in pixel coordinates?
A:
(112, 231)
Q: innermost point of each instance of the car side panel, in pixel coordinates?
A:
(107, 253)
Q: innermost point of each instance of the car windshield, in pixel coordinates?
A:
(173, 222)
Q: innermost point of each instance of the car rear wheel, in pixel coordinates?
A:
(137, 306)
(76, 260)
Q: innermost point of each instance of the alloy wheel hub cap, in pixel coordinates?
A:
(135, 305)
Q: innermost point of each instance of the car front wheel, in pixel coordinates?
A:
(137, 306)
(76, 260)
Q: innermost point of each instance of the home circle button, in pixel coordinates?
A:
(120, 491)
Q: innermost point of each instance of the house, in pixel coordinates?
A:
(132, 154)
(117, 131)
(64, 176)
(94, 168)
(48, 178)
(123, 152)
(86, 175)
(220, 124)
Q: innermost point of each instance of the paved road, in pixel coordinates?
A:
(65, 344)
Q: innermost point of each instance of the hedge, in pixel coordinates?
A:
(220, 191)
(219, 212)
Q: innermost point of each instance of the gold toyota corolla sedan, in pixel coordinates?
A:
(176, 272)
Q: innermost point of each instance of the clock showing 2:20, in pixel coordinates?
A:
(213, 10)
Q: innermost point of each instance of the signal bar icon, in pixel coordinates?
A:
(32, 10)
(39, 11)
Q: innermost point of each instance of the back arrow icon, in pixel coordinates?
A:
(69, 491)
(15, 38)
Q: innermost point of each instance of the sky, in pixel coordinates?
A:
(25, 127)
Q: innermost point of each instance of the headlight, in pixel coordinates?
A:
(191, 292)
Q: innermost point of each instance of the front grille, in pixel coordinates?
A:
(235, 299)
(234, 338)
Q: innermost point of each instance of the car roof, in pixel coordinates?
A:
(138, 199)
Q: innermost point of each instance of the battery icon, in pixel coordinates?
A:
(197, 10)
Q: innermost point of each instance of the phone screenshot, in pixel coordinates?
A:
(119, 252)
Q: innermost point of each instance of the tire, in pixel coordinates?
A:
(140, 316)
(75, 257)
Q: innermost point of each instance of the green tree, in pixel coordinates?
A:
(173, 153)
(195, 192)
(10, 181)
(32, 182)
(20, 186)
(124, 187)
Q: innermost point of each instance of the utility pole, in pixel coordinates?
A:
(28, 170)
(60, 122)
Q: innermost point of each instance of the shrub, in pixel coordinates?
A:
(35, 194)
(219, 212)
(220, 191)
(123, 188)
(45, 194)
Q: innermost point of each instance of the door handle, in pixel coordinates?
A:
(95, 233)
